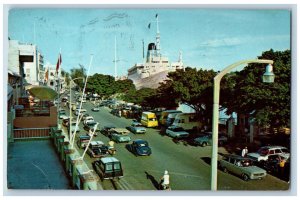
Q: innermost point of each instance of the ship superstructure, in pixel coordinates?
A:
(155, 68)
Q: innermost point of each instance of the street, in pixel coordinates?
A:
(188, 166)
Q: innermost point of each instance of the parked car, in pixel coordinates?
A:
(140, 147)
(83, 140)
(120, 131)
(106, 130)
(271, 165)
(176, 132)
(108, 168)
(137, 128)
(90, 127)
(65, 122)
(73, 126)
(264, 152)
(84, 116)
(207, 140)
(62, 114)
(96, 109)
(88, 119)
(242, 167)
(97, 149)
(120, 138)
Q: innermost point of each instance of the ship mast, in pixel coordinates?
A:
(157, 37)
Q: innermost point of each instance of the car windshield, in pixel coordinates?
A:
(152, 119)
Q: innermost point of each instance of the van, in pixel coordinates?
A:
(108, 168)
(170, 119)
(164, 116)
(149, 119)
(187, 121)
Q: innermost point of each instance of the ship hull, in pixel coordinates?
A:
(151, 81)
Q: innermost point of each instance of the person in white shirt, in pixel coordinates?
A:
(244, 152)
(165, 180)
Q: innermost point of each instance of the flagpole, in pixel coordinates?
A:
(77, 121)
(115, 57)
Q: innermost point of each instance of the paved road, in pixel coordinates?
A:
(188, 166)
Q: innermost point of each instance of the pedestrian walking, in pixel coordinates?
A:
(244, 152)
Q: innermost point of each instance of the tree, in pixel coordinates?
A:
(190, 86)
(78, 72)
(268, 103)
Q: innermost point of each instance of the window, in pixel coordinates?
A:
(117, 166)
(271, 152)
(277, 151)
(109, 167)
(284, 151)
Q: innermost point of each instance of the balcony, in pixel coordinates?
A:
(34, 114)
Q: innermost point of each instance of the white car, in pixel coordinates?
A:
(176, 132)
(264, 152)
(96, 109)
(88, 119)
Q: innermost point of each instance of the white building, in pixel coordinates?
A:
(51, 79)
(32, 61)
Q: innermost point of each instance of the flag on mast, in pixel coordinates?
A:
(58, 63)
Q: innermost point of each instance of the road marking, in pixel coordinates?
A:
(124, 185)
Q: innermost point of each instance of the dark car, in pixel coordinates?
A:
(108, 168)
(90, 127)
(65, 122)
(97, 149)
(140, 147)
(106, 130)
(84, 116)
(272, 164)
(83, 140)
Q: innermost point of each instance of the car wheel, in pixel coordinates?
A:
(204, 144)
(245, 177)
(225, 170)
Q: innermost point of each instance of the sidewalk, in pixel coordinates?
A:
(34, 164)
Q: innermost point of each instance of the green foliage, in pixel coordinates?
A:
(190, 86)
(78, 72)
(269, 103)
(141, 97)
(105, 85)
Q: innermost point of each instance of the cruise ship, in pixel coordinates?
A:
(155, 68)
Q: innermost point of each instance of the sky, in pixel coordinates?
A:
(208, 38)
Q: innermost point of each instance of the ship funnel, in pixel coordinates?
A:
(151, 46)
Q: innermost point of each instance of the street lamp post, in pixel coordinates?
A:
(267, 77)
(70, 104)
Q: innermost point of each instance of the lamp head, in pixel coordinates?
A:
(269, 76)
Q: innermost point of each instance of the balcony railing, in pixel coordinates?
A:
(31, 112)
